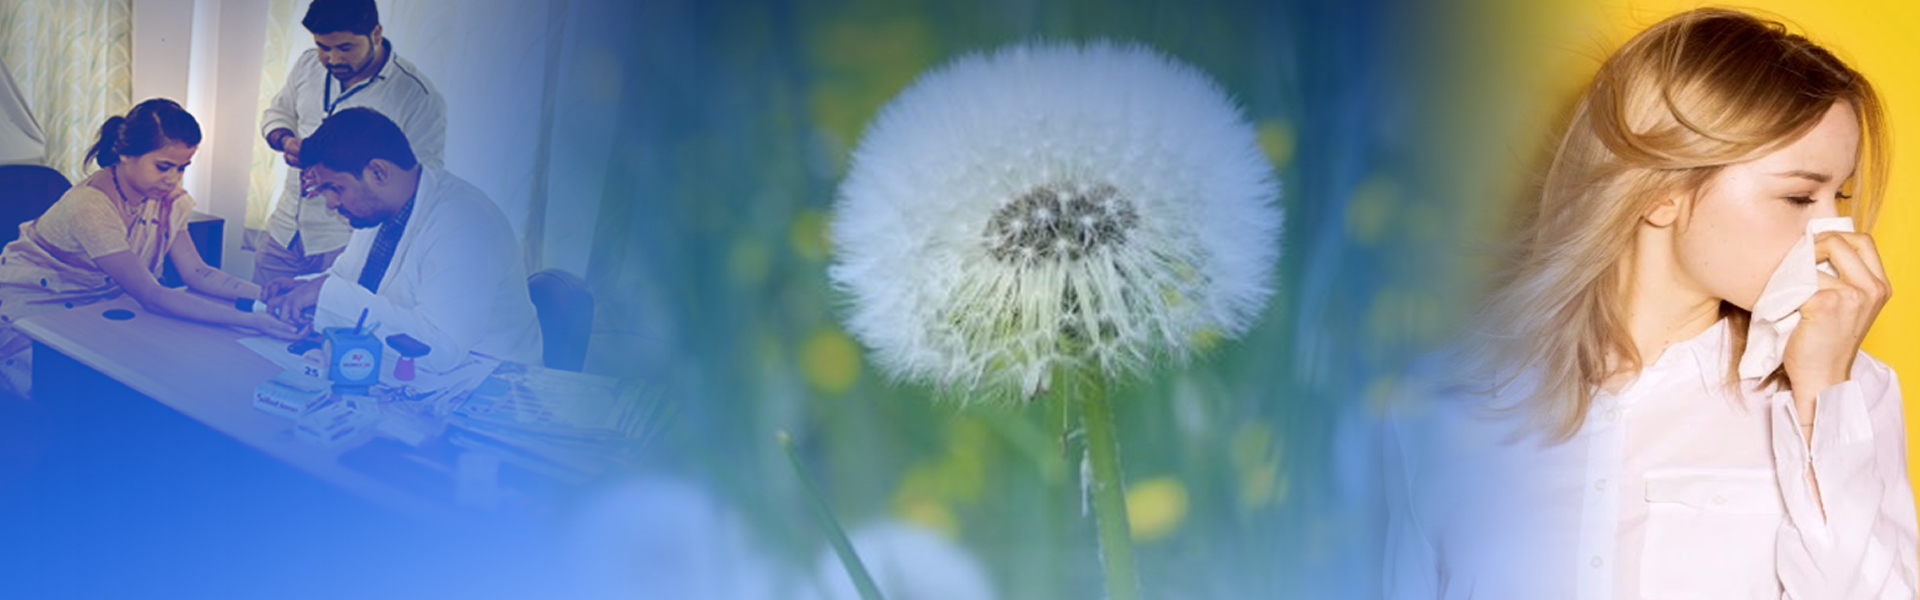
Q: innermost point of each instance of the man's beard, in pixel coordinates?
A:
(345, 72)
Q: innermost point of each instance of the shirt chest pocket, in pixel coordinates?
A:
(1710, 534)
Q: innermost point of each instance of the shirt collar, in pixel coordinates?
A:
(1709, 352)
(1704, 357)
(400, 219)
(386, 67)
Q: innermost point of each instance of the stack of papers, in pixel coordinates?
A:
(328, 423)
(565, 425)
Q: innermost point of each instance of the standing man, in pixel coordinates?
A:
(352, 65)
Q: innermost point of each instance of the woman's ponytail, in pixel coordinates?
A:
(103, 148)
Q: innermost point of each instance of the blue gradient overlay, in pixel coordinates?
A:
(694, 152)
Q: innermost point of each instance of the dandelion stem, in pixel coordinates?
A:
(1107, 488)
(836, 536)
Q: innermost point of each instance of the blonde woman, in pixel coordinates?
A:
(1603, 442)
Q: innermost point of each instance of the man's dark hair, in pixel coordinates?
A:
(351, 138)
(358, 17)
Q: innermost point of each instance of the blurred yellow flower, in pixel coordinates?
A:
(830, 361)
(808, 234)
(1206, 340)
(966, 433)
(1255, 460)
(964, 470)
(1276, 139)
(921, 483)
(1156, 508)
(932, 515)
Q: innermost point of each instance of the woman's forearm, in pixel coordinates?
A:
(184, 305)
(215, 282)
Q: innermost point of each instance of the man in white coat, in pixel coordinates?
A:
(430, 257)
(352, 65)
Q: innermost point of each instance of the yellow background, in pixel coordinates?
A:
(1881, 38)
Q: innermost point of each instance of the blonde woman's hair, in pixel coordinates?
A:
(1666, 112)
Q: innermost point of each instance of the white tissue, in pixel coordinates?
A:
(1777, 311)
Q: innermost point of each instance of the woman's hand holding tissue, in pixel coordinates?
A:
(1835, 320)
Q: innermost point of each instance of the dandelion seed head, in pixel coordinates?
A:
(1057, 222)
(1093, 206)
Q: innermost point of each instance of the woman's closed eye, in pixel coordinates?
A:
(1808, 199)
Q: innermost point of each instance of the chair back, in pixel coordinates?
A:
(565, 307)
(25, 193)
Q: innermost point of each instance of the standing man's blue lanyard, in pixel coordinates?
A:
(327, 102)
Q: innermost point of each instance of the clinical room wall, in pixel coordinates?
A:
(205, 55)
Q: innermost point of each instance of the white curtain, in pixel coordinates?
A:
(21, 141)
(72, 60)
(268, 175)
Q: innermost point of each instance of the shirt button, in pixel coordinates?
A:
(1719, 500)
(1613, 414)
(1595, 562)
(1600, 485)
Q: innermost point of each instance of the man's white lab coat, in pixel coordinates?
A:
(456, 282)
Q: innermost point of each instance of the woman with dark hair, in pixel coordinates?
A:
(111, 234)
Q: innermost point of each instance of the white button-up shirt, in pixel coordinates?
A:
(398, 91)
(1677, 487)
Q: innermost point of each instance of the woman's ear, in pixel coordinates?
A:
(1666, 211)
